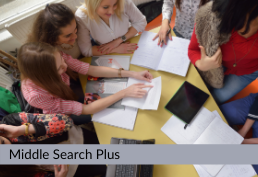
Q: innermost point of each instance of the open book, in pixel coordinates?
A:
(205, 128)
(150, 100)
(172, 58)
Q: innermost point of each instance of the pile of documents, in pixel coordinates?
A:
(206, 128)
(123, 113)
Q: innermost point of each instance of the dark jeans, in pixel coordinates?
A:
(177, 33)
(77, 89)
(90, 170)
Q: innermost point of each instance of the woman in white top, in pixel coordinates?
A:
(109, 23)
(185, 14)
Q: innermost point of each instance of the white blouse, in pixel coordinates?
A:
(101, 32)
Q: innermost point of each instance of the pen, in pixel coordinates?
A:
(167, 33)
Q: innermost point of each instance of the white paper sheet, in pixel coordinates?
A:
(175, 57)
(216, 113)
(229, 171)
(218, 132)
(122, 118)
(148, 54)
(150, 100)
(174, 127)
(114, 61)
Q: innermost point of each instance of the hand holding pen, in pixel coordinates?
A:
(164, 31)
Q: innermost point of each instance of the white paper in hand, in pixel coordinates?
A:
(150, 100)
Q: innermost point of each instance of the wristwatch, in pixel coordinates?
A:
(123, 38)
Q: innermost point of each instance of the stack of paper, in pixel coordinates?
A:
(122, 118)
(150, 100)
(172, 58)
(229, 171)
(205, 128)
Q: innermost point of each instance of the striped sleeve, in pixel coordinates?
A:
(75, 64)
(40, 98)
(253, 112)
(51, 104)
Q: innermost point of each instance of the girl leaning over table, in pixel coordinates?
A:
(233, 36)
(29, 128)
(45, 81)
(108, 23)
(185, 14)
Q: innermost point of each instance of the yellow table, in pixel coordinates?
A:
(149, 123)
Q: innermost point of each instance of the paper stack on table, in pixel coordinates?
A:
(122, 118)
(150, 100)
(229, 171)
(205, 128)
(172, 58)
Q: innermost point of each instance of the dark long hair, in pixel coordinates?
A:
(179, 2)
(48, 24)
(234, 14)
(20, 170)
(36, 61)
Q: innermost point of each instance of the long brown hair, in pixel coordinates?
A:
(36, 61)
(179, 2)
(48, 24)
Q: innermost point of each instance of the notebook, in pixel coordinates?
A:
(172, 58)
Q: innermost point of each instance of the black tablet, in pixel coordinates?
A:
(187, 101)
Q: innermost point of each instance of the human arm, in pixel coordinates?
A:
(101, 71)
(248, 124)
(10, 131)
(252, 117)
(40, 124)
(135, 91)
(198, 56)
(84, 39)
(61, 170)
(167, 11)
(138, 24)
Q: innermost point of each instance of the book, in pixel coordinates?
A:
(205, 128)
(172, 58)
(98, 88)
(150, 100)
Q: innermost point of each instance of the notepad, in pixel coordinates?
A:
(229, 171)
(122, 118)
(205, 128)
(150, 101)
(172, 58)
